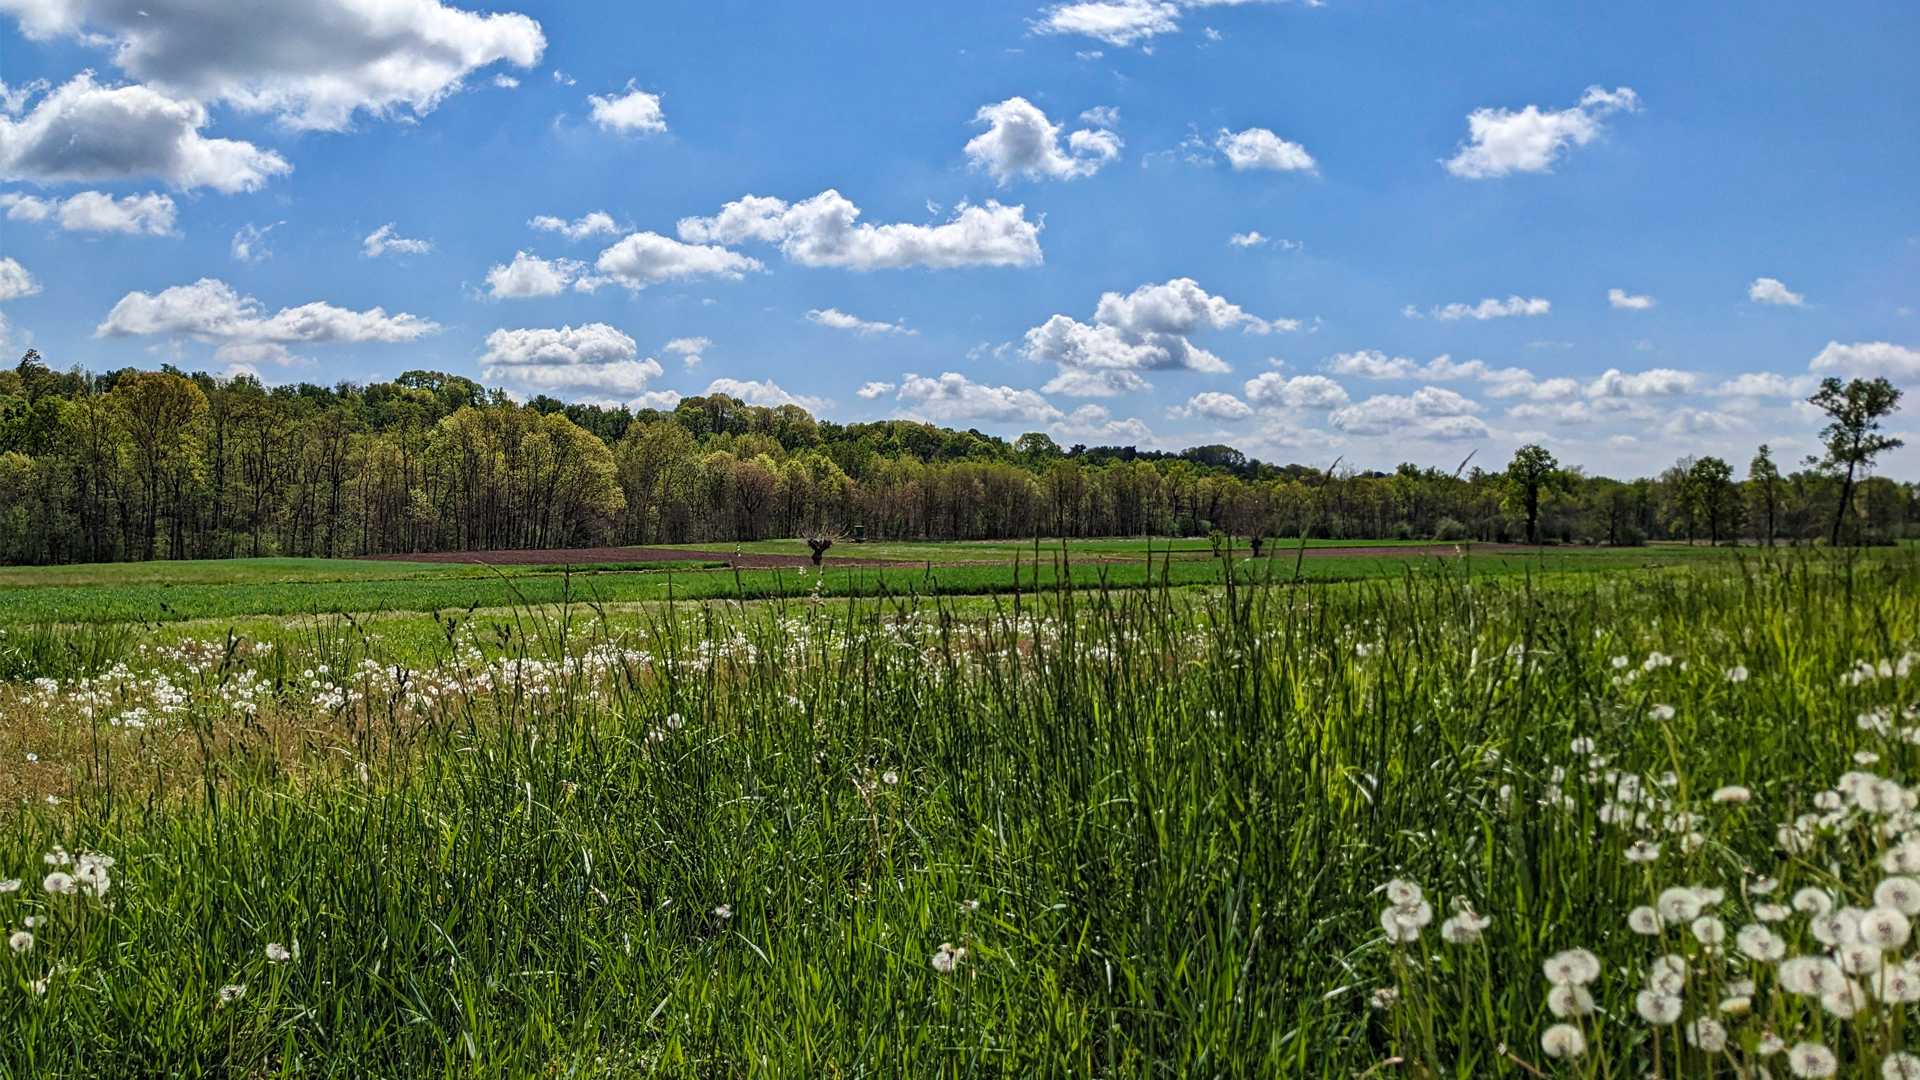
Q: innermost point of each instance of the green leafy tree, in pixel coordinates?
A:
(1711, 479)
(1763, 480)
(1853, 439)
(1531, 471)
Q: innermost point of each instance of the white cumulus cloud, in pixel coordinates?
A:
(1501, 141)
(209, 310)
(1868, 358)
(1021, 141)
(824, 231)
(647, 258)
(313, 63)
(875, 390)
(1766, 384)
(382, 240)
(1121, 23)
(953, 396)
(1621, 299)
(1095, 423)
(151, 214)
(1491, 308)
(1431, 412)
(1145, 330)
(84, 132)
(580, 228)
(15, 281)
(765, 393)
(1276, 391)
(530, 275)
(835, 319)
(634, 111)
(1654, 382)
(691, 350)
(592, 360)
(1258, 148)
(1213, 405)
(1768, 290)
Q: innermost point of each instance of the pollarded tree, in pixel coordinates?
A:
(1853, 439)
(1531, 471)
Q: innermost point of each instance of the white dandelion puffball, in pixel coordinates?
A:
(1708, 930)
(1812, 901)
(1900, 1066)
(1811, 1060)
(1902, 858)
(1896, 984)
(58, 883)
(232, 992)
(10, 885)
(1573, 967)
(1678, 905)
(1667, 974)
(1899, 893)
(1643, 851)
(278, 953)
(1403, 893)
(1858, 959)
(1581, 746)
(1464, 928)
(1760, 943)
(1737, 1006)
(723, 911)
(1660, 712)
(1656, 1008)
(947, 957)
(889, 778)
(1773, 912)
(1732, 794)
(1885, 928)
(1737, 674)
(1844, 1000)
(1708, 1035)
(1563, 1041)
(1645, 921)
(1838, 927)
(1810, 976)
(21, 941)
(1405, 923)
(1770, 1044)
(1384, 997)
(1569, 1000)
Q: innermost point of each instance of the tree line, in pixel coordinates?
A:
(131, 465)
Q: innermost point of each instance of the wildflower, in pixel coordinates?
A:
(1900, 893)
(1811, 1060)
(1708, 1035)
(1678, 905)
(724, 911)
(1464, 928)
(1812, 901)
(1569, 1000)
(232, 992)
(21, 941)
(1402, 893)
(676, 721)
(1621, 661)
(1772, 912)
(1885, 928)
(277, 953)
(1643, 851)
(1660, 712)
(1902, 858)
(1667, 975)
(1866, 757)
(947, 957)
(10, 885)
(59, 883)
(1656, 1008)
(890, 777)
(1581, 746)
(1897, 984)
(1760, 943)
(1809, 976)
(1858, 959)
(1736, 674)
(1763, 886)
(1708, 930)
(1732, 793)
(1770, 1044)
(1644, 920)
(1573, 967)
(1844, 1000)
(1384, 997)
(1838, 927)
(1405, 923)
(1900, 1066)
(1563, 1041)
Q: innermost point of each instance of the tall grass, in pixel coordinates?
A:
(1142, 831)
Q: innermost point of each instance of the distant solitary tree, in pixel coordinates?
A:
(1711, 479)
(1531, 470)
(1853, 439)
(1763, 477)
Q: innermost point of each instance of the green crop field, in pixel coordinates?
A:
(1398, 815)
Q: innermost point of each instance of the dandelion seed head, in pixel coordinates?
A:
(1678, 905)
(59, 883)
(1644, 920)
(1900, 1066)
(1656, 1008)
(1707, 1034)
(1811, 1061)
(1563, 1041)
(1732, 794)
(1844, 1000)
(20, 941)
(1384, 997)
(1403, 893)
(1643, 851)
(1660, 712)
(232, 992)
(1812, 901)
(1760, 943)
(1885, 928)
(1569, 1000)
(1572, 967)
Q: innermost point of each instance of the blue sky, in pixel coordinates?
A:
(1630, 231)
